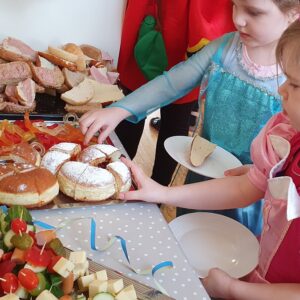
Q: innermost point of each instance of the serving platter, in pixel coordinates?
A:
(63, 201)
(143, 292)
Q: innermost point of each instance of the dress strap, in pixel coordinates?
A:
(217, 57)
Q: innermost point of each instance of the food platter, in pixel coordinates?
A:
(63, 201)
(143, 292)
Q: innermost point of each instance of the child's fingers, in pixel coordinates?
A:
(237, 171)
(137, 173)
(103, 135)
(132, 195)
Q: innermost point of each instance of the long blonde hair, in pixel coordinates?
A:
(286, 5)
(291, 39)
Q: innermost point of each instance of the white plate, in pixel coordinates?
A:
(214, 166)
(210, 240)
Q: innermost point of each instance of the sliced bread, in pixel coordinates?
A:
(80, 94)
(200, 150)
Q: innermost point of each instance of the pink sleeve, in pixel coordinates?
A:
(258, 178)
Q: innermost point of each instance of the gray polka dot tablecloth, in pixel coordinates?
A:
(149, 242)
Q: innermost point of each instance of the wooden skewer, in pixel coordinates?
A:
(43, 248)
(2, 279)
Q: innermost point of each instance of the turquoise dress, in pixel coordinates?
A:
(237, 104)
(235, 111)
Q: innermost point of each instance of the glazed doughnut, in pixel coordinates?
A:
(20, 153)
(26, 184)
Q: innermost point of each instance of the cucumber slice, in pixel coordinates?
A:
(30, 228)
(104, 296)
(7, 239)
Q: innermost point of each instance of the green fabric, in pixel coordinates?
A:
(150, 52)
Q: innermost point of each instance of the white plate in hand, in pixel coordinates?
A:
(210, 240)
(213, 166)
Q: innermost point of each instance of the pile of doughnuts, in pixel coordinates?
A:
(93, 174)
(22, 182)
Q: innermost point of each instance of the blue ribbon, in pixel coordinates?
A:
(165, 264)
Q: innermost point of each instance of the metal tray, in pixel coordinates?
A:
(63, 201)
(143, 292)
(47, 108)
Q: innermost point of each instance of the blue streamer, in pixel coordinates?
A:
(165, 264)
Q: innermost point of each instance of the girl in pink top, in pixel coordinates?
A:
(275, 175)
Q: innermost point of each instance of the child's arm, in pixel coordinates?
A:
(220, 285)
(229, 192)
(102, 120)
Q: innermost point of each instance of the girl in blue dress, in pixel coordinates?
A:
(238, 77)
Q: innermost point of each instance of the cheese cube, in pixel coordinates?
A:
(46, 295)
(115, 286)
(21, 292)
(127, 293)
(63, 267)
(80, 270)
(101, 275)
(78, 258)
(84, 281)
(97, 286)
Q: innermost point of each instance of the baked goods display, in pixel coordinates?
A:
(81, 74)
(200, 150)
(94, 174)
(35, 265)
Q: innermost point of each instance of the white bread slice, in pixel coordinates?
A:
(82, 109)
(45, 63)
(59, 61)
(105, 92)
(80, 94)
(63, 54)
(200, 150)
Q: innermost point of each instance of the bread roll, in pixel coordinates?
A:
(73, 48)
(63, 54)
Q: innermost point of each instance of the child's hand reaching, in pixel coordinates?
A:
(102, 120)
(218, 284)
(148, 189)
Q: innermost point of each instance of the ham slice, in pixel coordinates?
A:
(26, 92)
(14, 72)
(98, 75)
(11, 93)
(48, 78)
(14, 50)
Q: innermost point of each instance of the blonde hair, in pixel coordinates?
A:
(291, 39)
(286, 5)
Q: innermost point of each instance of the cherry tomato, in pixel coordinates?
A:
(54, 260)
(18, 225)
(35, 256)
(6, 267)
(7, 256)
(9, 283)
(28, 279)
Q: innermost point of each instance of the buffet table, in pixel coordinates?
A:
(149, 242)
